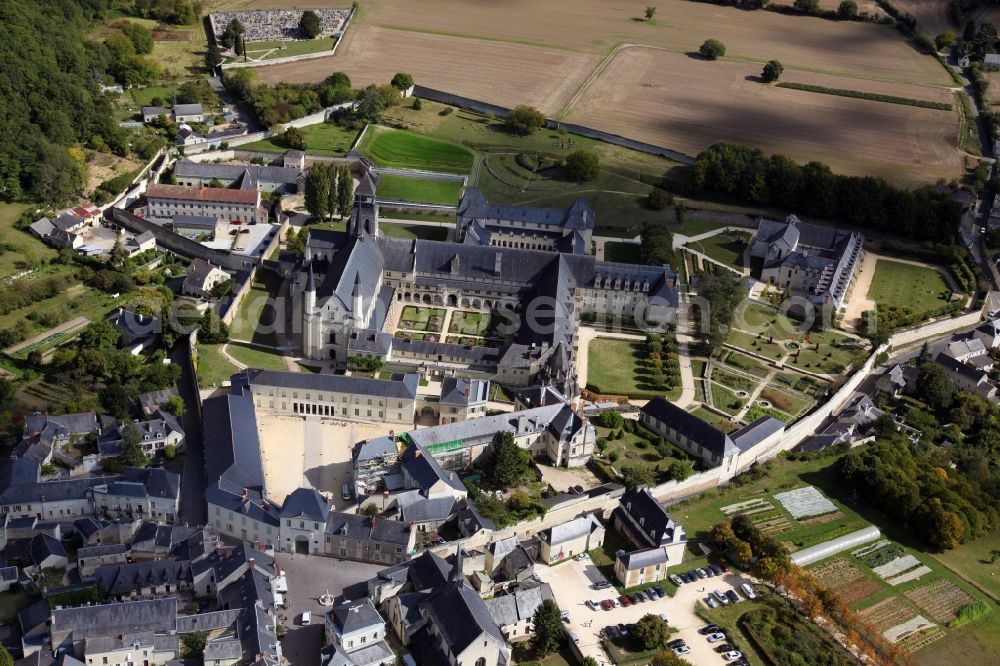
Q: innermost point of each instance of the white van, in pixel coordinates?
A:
(307, 617)
(748, 591)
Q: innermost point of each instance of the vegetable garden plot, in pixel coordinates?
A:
(805, 502)
(836, 572)
(908, 628)
(940, 598)
(887, 613)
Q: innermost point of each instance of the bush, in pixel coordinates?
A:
(583, 165)
(944, 40)
(712, 49)
(847, 9)
(611, 418)
(523, 120)
(417, 104)
(170, 451)
(657, 200)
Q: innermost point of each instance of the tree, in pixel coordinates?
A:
(772, 71)
(847, 9)
(721, 534)
(101, 335)
(170, 451)
(611, 418)
(508, 464)
(132, 454)
(667, 658)
(317, 194)
(678, 470)
(650, 13)
(523, 120)
(548, 628)
(213, 330)
(807, 6)
(213, 58)
(332, 179)
(712, 49)
(231, 36)
(5, 658)
(402, 81)
(140, 36)
(370, 510)
(740, 551)
(294, 138)
(583, 165)
(345, 185)
(637, 475)
(651, 632)
(175, 405)
(934, 386)
(944, 40)
(590, 661)
(309, 24)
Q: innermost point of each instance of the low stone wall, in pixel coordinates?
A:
(933, 329)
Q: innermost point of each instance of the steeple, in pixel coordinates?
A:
(364, 213)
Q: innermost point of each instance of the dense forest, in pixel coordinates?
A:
(748, 176)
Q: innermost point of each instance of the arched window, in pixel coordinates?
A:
(481, 661)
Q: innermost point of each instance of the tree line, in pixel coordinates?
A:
(328, 191)
(747, 175)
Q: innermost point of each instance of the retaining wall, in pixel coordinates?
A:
(935, 328)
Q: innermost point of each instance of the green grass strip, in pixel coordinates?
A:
(875, 97)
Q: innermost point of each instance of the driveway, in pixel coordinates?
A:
(572, 582)
(309, 576)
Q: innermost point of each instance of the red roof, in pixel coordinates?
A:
(213, 194)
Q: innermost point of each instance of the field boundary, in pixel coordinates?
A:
(858, 94)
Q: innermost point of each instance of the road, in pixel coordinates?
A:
(192, 508)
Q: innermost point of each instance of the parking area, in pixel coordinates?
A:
(308, 577)
(572, 585)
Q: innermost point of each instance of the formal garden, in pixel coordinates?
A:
(634, 368)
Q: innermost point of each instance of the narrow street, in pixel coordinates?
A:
(192, 508)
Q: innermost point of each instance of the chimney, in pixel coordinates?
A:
(417, 454)
(250, 564)
(496, 264)
(522, 423)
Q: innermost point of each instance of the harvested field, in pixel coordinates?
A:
(836, 572)
(940, 598)
(887, 613)
(932, 15)
(851, 593)
(818, 520)
(704, 102)
(545, 78)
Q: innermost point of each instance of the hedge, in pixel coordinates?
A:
(875, 97)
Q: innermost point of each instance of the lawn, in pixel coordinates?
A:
(919, 288)
(422, 190)
(326, 139)
(525, 656)
(635, 448)
(213, 368)
(419, 217)
(255, 317)
(287, 49)
(623, 253)
(726, 248)
(409, 150)
(20, 249)
(417, 318)
(469, 323)
(618, 367)
(421, 231)
(253, 357)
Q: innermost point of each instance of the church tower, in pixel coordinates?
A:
(310, 317)
(364, 214)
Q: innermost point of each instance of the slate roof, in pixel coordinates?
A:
(207, 621)
(645, 520)
(428, 571)
(222, 649)
(463, 391)
(958, 368)
(124, 579)
(756, 432)
(416, 508)
(233, 172)
(188, 110)
(460, 616)
(474, 204)
(425, 470)
(305, 503)
(44, 546)
(232, 448)
(572, 529)
(689, 425)
(101, 550)
(404, 388)
(469, 354)
(519, 605)
(206, 222)
(643, 558)
(158, 615)
(356, 616)
(365, 528)
(374, 449)
(355, 269)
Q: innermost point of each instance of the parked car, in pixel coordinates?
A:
(725, 647)
(565, 616)
(709, 629)
(663, 617)
(634, 598)
(732, 656)
(593, 604)
(622, 629)
(643, 596)
(748, 591)
(607, 604)
(651, 593)
(733, 597)
(576, 639)
(659, 590)
(602, 585)
(716, 569)
(724, 568)
(689, 577)
(676, 580)
(677, 642)
(712, 603)
(616, 603)
(700, 573)
(709, 571)
(307, 617)
(720, 597)
(716, 637)
(581, 556)
(624, 601)
(682, 650)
